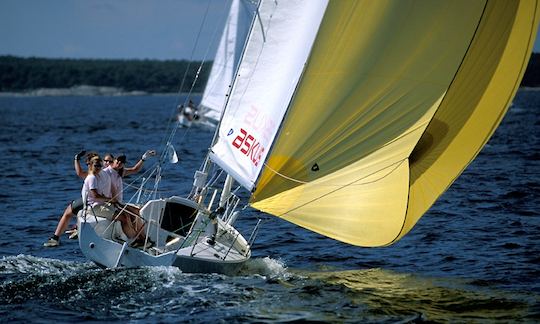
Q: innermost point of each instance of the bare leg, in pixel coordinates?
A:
(131, 216)
(64, 221)
(127, 227)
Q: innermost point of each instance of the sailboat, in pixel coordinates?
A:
(347, 118)
(226, 60)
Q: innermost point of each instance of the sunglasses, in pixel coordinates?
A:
(97, 165)
(108, 161)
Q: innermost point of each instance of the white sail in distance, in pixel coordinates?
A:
(226, 60)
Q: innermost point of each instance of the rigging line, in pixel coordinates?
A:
(398, 164)
(378, 148)
(284, 176)
(214, 179)
(130, 184)
(186, 72)
(236, 190)
(197, 75)
(188, 96)
(212, 40)
(149, 171)
(149, 190)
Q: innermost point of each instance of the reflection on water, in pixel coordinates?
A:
(390, 294)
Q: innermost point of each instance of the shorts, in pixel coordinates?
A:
(77, 205)
(106, 210)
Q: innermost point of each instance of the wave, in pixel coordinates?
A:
(27, 264)
(71, 290)
(267, 267)
(266, 291)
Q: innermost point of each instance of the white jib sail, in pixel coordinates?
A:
(278, 48)
(226, 60)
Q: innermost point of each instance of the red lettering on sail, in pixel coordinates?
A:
(249, 146)
(239, 139)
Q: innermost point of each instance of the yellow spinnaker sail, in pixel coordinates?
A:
(396, 99)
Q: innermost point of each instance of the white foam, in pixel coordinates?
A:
(30, 264)
(267, 267)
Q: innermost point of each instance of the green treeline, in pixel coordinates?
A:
(19, 74)
(153, 76)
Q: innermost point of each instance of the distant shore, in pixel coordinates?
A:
(84, 77)
(85, 90)
(100, 77)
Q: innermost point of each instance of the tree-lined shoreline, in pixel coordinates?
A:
(18, 74)
(32, 75)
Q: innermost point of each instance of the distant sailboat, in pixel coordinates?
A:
(350, 118)
(224, 66)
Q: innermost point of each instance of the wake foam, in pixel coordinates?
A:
(267, 267)
(28, 264)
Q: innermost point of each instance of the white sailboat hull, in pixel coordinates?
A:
(105, 244)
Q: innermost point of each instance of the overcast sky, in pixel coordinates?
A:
(126, 29)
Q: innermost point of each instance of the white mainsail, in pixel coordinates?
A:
(277, 50)
(226, 60)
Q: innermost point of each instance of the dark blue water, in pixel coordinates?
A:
(474, 257)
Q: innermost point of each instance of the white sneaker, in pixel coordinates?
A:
(51, 243)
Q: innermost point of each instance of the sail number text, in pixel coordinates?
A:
(249, 146)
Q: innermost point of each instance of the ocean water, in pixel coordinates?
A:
(474, 257)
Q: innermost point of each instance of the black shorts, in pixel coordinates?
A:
(77, 205)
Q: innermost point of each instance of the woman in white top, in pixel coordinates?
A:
(96, 189)
(96, 193)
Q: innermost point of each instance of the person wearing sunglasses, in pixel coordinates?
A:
(76, 205)
(73, 208)
(96, 189)
(117, 172)
(108, 160)
(97, 195)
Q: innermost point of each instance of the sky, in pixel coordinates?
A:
(113, 29)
